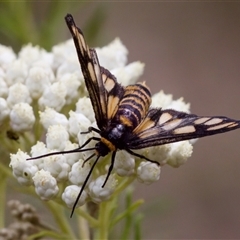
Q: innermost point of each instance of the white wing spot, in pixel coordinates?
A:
(172, 124)
(233, 125)
(201, 120)
(164, 118)
(108, 83)
(225, 125)
(186, 129)
(214, 121)
(112, 105)
(82, 43)
(92, 72)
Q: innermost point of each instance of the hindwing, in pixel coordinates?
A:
(168, 126)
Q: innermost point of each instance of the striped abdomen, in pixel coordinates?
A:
(134, 105)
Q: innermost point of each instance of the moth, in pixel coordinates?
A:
(125, 118)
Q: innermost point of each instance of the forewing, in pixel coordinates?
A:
(168, 126)
(92, 73)
(114, 92)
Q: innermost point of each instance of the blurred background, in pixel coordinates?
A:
(191, 50)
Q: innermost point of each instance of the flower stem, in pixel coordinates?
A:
(60, 218)
(129, 210)
(92, 221)
(104, 217)
(2, 199)
(124, 184)
(83, 226)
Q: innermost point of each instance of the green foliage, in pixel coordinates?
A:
(41, 22)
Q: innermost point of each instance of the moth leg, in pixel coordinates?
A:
(88, 141)
(90, 129)
(141, 156)
(88, 159)
(110, 168)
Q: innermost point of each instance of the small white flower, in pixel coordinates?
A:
(51, 117)
(179, 153)
(70, 66)
(72, 83)
(84, 106)
(72, 157)
(113, 55)
(39, 78)
(79, 172)
(124, 163)
(56, 137)
(7, 56)
(161, 100)
(180, 105)
(45, 185)
(148, 172)
(66, 60)
(22, 117)
(70, 194)
(23, 170)
(156, 153)
(99, 193)
(65, 52)
(18, 93)
(53, 97)
(82, 138)
(57, 166)
(4, 109)
(2, 72)
(193, 141)
(78, 123)
(17, 73)
(129, 74)
(38, 149)
(33, 54)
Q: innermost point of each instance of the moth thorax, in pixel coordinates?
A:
(116, 132)
(103, 147)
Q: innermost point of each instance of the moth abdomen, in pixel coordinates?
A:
(134, 105)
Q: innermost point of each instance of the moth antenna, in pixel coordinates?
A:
(79, 149)
(84, 184)
(62, 152)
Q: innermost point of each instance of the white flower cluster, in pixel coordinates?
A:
(45, 91)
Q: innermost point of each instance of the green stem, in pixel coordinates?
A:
(92, 221)
(131, 209)
(2, 199)
(104, 221)
(5, 170)
(83, 226)
(124, 184)
(137, 227)
(60, 218)
(52, 235)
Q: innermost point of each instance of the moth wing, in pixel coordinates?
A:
(115, 92)
(92, 73)
(104, 90)
(168, 126)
